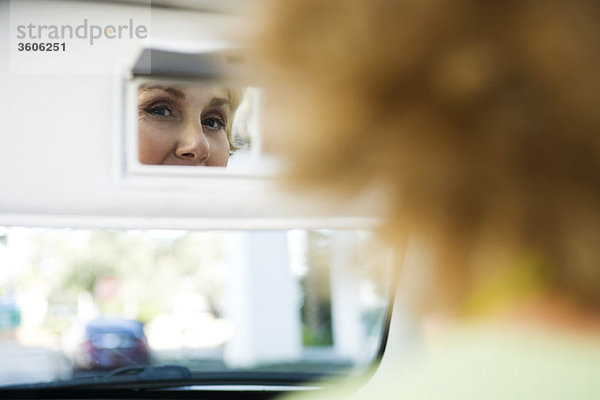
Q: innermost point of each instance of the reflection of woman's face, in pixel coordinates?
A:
(183, 125)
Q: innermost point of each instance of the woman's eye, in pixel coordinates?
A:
(213, 123)
(161, 111)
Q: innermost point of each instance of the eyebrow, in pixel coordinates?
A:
(218, 102)
(176, 93)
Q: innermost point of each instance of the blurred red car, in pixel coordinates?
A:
(111, 343)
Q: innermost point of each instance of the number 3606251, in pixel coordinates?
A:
(41, 46)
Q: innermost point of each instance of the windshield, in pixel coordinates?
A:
(84, 302)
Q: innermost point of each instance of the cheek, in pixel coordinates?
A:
(219, 151)
(153, 144)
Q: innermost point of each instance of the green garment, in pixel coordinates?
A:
(475, 363)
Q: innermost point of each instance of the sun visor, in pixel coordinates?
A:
(217, 65)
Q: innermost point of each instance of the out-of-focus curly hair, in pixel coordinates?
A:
(480, 118)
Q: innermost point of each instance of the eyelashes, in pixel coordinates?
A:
(164, 111)
(159, 111)
(214, 123)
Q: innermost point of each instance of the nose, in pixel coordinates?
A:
(193, 146)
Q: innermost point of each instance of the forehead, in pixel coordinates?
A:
(193, 94)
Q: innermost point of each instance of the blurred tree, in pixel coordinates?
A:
(316, 308)
(149, 267)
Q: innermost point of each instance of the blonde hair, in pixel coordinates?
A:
(235, 99)
(480, 118)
